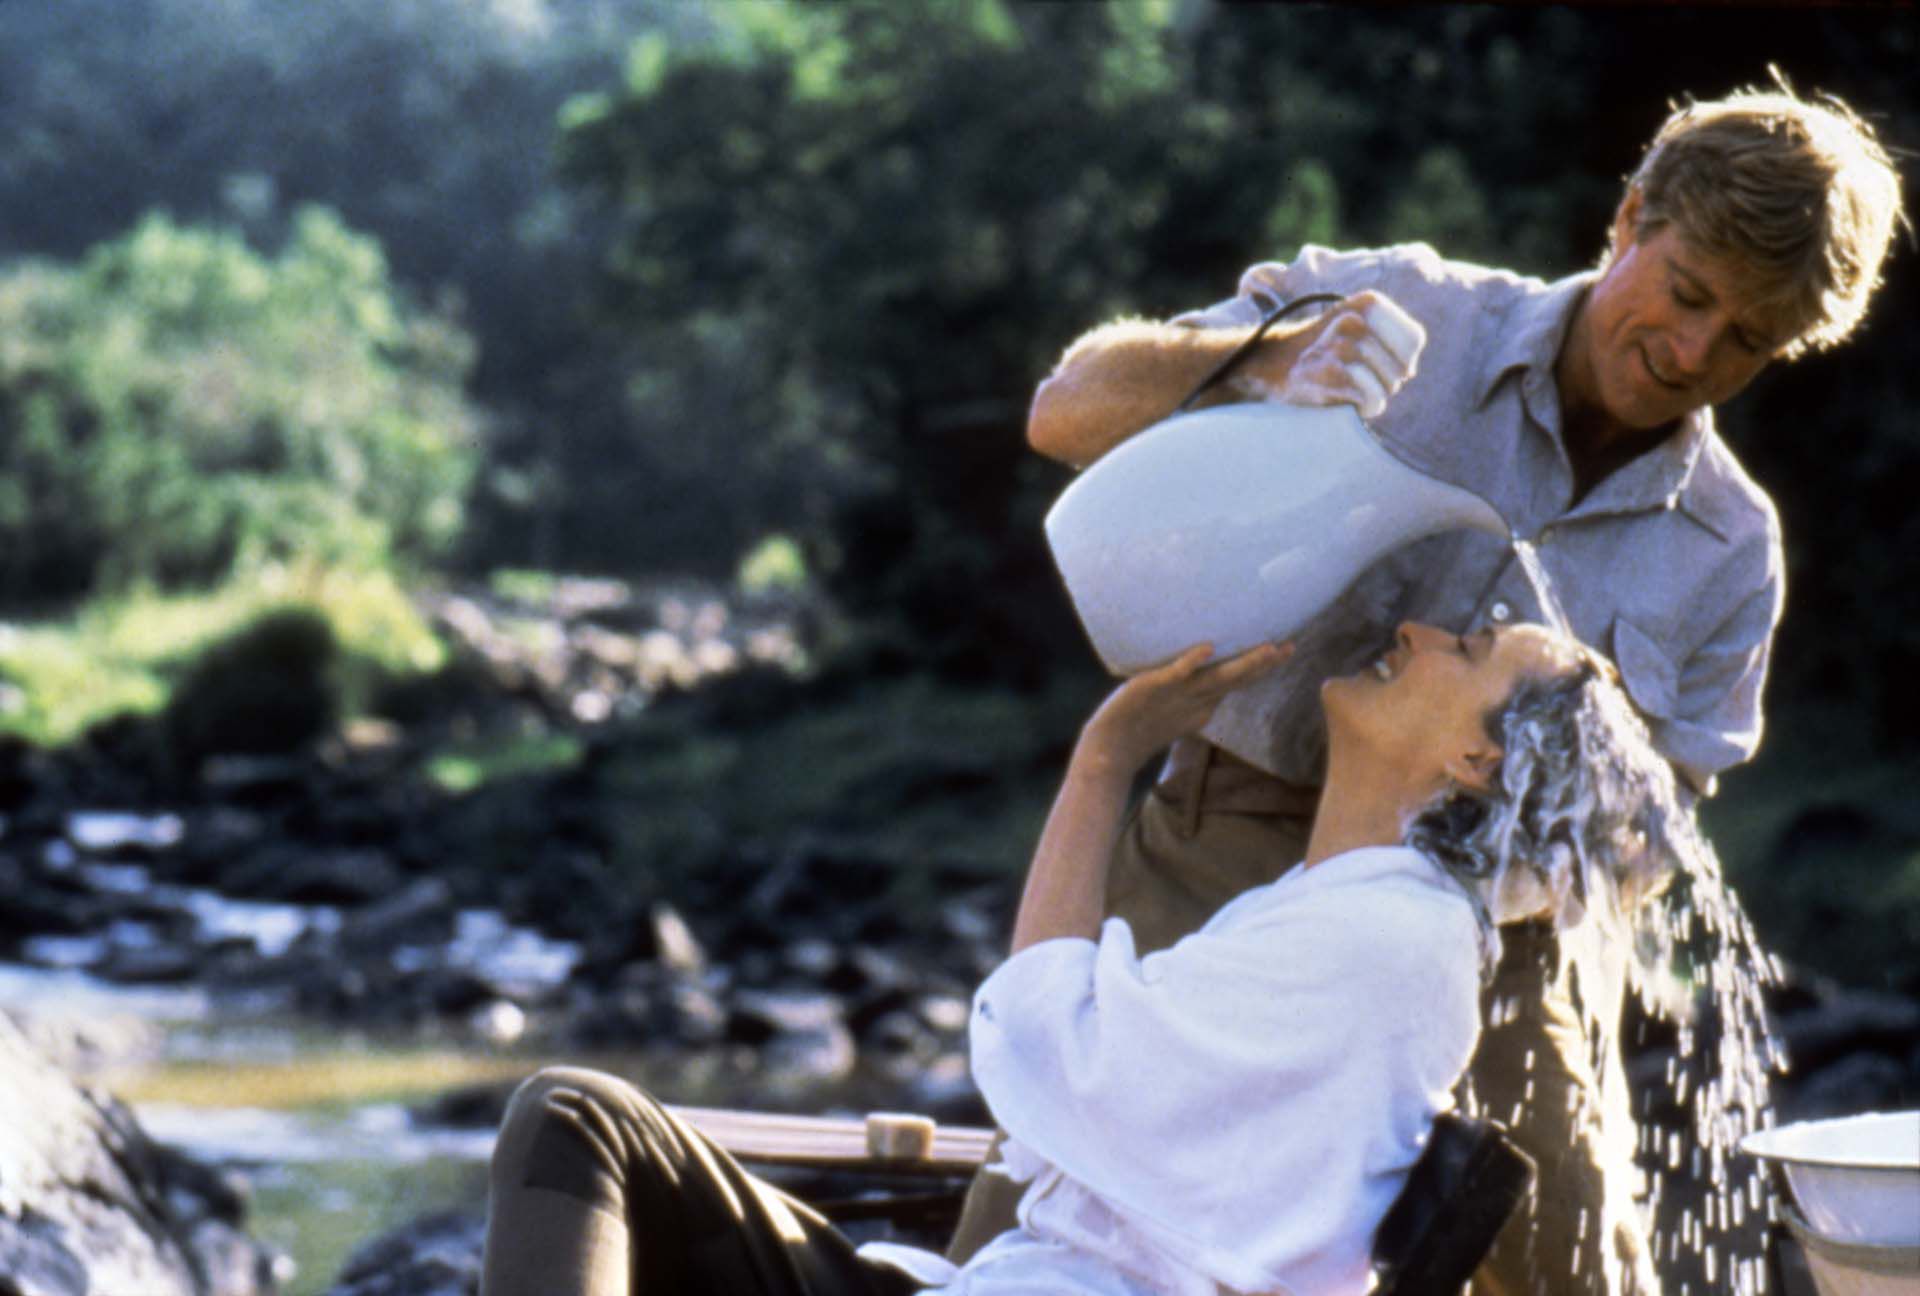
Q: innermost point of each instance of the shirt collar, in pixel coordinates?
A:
(1525, 345)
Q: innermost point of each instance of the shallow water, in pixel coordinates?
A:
(325, 1177)
(314, 1120)
(317, 1121)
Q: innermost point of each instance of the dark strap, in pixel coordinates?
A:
(1240, 352)
(1469, 1179)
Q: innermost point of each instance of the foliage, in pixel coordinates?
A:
(906, 772)
(179, 407)
(467, 766)
(775, 564)
(125, 653)
(1827, 861)
(427, 124)
(848, 239)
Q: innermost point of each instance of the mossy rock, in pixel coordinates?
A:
(268, 689)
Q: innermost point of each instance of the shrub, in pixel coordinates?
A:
(179, 407)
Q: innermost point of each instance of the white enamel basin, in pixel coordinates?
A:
(1856, 1178)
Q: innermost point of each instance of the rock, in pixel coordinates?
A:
(255, 781)
(456, 992)
(481, 1106)
(900, 1044)
(650, 1007)
(90, 1204)
(946, 1013)
(37, 1260)
(678, 950)
(944, 1090)
(123, 836)
(799, 1034)
(438, 1255)
(149, 965)
(814, 959)
(35, 908)
(215, 839)
(94, 1043)
(864, 970)
(421, 914)
(695, 1013)
(266, 690)
(321, 877)
(498, 1022)
(22, 770)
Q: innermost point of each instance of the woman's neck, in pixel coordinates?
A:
(1366, 803)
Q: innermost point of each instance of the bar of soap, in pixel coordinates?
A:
(899, 1136)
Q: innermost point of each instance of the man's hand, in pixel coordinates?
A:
(1361, 353)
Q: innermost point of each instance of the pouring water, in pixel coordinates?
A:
(1239, 524)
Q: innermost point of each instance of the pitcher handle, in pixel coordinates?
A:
(1226, 366)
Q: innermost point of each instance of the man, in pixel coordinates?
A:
(1753, 230)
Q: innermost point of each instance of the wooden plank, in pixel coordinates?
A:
(832, 1142)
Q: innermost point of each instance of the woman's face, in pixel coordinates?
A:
(1423, 704)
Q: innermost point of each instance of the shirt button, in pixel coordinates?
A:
(1501, 612)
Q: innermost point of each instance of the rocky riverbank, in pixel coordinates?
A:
(791, 882)
(337, 879)
(88, 1203)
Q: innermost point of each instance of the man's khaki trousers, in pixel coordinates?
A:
(1214, 827)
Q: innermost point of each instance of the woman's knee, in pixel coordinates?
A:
(573, 1126)
(553, 1087)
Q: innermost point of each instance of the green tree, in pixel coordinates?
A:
(865, 231)
(178, 405)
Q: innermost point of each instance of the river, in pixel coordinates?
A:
(317, 1123)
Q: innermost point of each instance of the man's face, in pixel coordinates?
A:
(1670, 327)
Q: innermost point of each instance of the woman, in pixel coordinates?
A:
(1234, 1112)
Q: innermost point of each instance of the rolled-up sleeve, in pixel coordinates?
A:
(1316, 269)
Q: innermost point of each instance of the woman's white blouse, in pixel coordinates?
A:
(1236, 1111)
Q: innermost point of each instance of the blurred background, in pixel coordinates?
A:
(562, 460)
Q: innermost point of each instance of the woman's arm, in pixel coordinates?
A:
(1066, 891)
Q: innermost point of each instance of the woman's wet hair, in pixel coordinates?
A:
(1583, 816)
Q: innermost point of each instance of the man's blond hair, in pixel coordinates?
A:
(1799, 192)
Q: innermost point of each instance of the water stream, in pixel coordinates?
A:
(1700, 964)
(1542, 584)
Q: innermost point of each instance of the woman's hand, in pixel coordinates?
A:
(1067, 884)
(1144, 715)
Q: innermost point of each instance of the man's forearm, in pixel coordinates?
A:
(1126, 376)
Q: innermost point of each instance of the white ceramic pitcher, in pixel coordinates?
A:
(1237, 525)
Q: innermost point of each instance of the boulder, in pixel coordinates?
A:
(90, 1204)
(437, 1255)
(798, 1034)
(266, 690)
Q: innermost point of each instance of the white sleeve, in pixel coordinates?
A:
(1279, 1047)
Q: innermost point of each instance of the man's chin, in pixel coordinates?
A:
(1648, 410)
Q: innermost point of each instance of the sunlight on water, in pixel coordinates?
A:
(1726, 1055)
(1697, 961)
